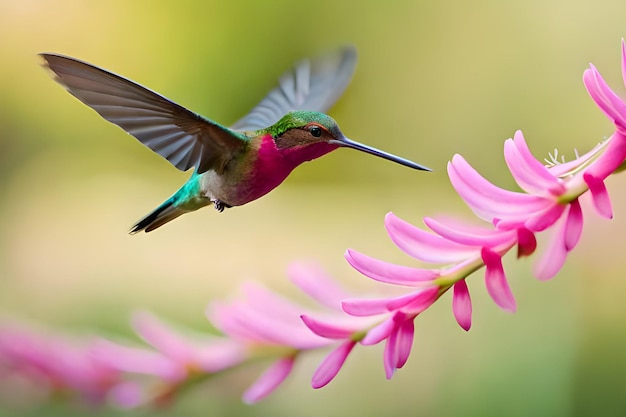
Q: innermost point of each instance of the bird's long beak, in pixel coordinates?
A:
(347, 143)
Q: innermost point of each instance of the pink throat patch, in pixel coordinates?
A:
(273, 165)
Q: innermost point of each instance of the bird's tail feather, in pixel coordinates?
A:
(164, 213)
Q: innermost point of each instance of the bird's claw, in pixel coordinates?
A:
(219, 206)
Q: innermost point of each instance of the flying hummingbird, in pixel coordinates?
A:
(232, 166)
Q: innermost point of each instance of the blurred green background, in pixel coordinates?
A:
(434, 79)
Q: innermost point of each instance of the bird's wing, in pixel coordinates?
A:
(311, 85)
(184, 138)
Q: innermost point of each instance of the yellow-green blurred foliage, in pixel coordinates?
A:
(434, 79)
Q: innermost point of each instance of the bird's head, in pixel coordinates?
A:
(299, 129)
(309, 135)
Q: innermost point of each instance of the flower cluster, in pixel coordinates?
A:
(264, 325)
(550, 202)
(60, 365)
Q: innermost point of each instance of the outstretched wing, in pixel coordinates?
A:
(311, 85)
(184, 138)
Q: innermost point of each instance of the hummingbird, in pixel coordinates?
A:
(232, 165)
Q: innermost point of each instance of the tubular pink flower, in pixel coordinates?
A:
(462, 305)
(330, 366)
(422, 245)
(599, 195)
(263, 320)
(208, 354)
(552, 259)
(416, 302)
(61, 364)
(362, 307)
(315, 283)
(605, 98)
(550, 202)
(615, 109)
(330, 330)
(264, 317)
(269, 380)
(489, 202)
(399, 343)
(497, 286)
(389, 273)
(530, 174)
(161, 337)
(573, 226)
(139, 360)
(379, 333)
(471, 236)
(611, 159)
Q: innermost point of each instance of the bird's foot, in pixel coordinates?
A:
(219, 206)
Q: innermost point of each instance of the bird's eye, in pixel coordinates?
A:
(316, 131)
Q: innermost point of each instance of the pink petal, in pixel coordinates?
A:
(573, 226)
(137, 360)
(389, 359)
(605, 98)
(545, 218)
(526, 242)
(485, 199)
(471, 236)
(379, 333)
(611, 159)
(240, 321)
(599, 195)
(624, 61)
(462, 305)
(314, 282)
(399, 343)
(220, 354)
(415, 302)
(328, 330)
(331, 365)
(423, 245)
(553, 257)
(530, 174)
(387, 272)
(537, 219)
(361, 307)
(495, 280)
(264, 317)
(269, 304)
(226, 318)
(161, 336)
(404, 343)
(269, 380)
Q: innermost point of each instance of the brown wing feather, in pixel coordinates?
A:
(184, 138)
(312, 85)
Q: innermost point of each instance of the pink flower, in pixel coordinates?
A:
(270, 325)
(550, 202)
(176, 357)
(59, 364)
(461, 248)
(605, 98)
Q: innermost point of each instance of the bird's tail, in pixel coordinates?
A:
(161, 215)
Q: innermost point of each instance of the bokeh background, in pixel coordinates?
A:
(434, 79)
